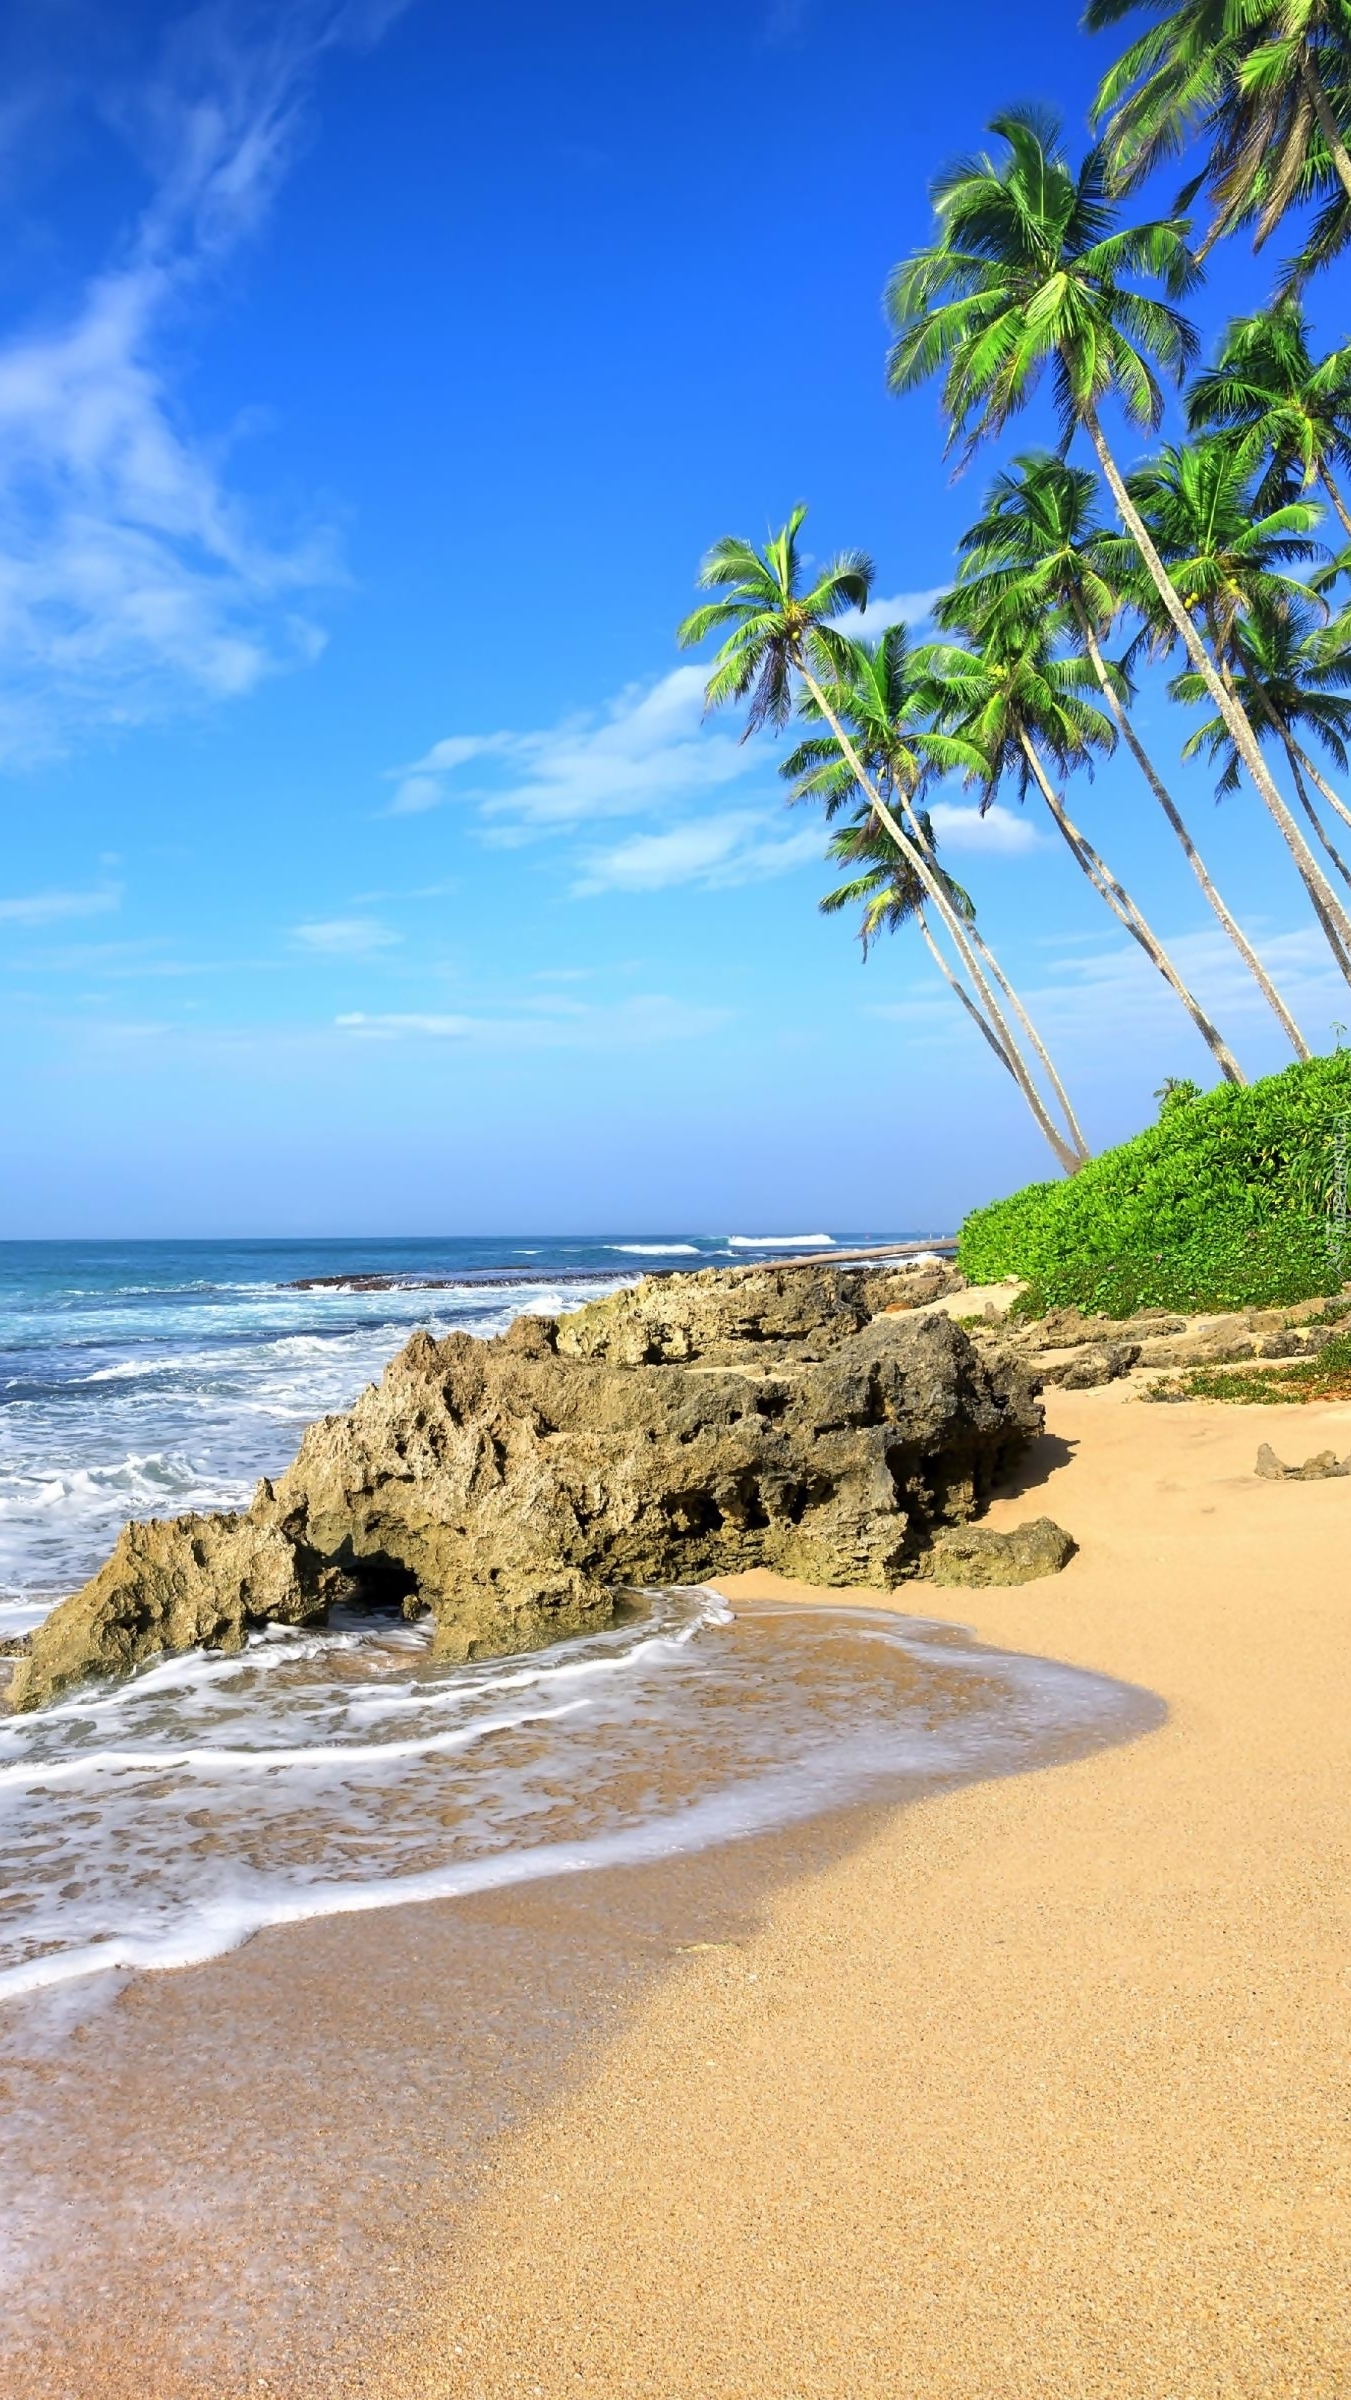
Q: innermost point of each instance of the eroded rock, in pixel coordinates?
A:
(975, 1554)
(688, 1428)
(1084, 1369)
(172, 1584)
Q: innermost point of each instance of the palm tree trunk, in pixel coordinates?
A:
(1068, 1159)
(1296, 758)
(979, 943)
(961, 991)
(1193, 856)
(1337, 805)
(1327, 906)
(1325, 478)
(1327, 123)
(1124, 909)
(1340, 949)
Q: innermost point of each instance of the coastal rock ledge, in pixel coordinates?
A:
(801, 1419)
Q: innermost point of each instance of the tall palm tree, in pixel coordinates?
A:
(1289, 679)
(1039, 544)
(890, 895)
(872, 691)
(778, 634)
(1262, 83)
(1027, 272)
(1280, 404)
(1229, 564)
(1022, 706)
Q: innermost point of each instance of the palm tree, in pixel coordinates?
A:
(871, 690)
(1228, 563)
(1020, 705)
(777, 634)
(891, 895)
(1262, 82)
(1290, 680)
(1268, 392)
(1027, 273)
(1040, 545)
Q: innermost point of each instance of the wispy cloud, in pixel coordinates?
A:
(1091, 987)
(649, 750)
(131, 578)
(346, 937)
(654, 754)
(649, 1017)
(55, 908)
(1000, 833)
(739, 846)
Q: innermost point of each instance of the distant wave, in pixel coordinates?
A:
(656, 1249)
(780, 1241)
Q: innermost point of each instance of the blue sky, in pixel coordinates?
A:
(371, 379)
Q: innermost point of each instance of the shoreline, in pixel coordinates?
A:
(272, 2124)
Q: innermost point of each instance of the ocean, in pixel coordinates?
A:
(161, 1821)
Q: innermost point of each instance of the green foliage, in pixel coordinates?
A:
(1222, 1204)
(1177, 1091)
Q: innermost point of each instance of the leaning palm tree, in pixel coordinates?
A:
(1039, 544)
(1028, 272)
(1024, 708)
(1291, 681)
(1229, 563)
(885, 890)
(871, 689)
(777, 636)
(1280, 405)
(1263, 84)
(889, 895)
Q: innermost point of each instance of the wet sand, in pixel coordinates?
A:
(228, 2178)
(1041, 2090)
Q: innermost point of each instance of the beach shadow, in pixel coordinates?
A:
(1036, 1466)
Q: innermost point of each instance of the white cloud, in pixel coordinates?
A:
(903, 608)
(1093, 992)
(1092, 987)
(741, 846)
(54, 908)
(131, 580)
(1001, 832)
(346, 937)
(635, 1023)
(650, 750)
(410, 1021)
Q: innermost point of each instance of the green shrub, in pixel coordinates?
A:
(1223, 1204)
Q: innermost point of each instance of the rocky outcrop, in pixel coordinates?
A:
(1084, 1369)
(691, 1427)
(1314, 1470)
(975, 1554)
(173, 1584)
(1078, 1351)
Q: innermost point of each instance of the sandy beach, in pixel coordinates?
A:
(1041, 2091)
(1033, 2087)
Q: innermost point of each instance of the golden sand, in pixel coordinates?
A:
(1044, 2090)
